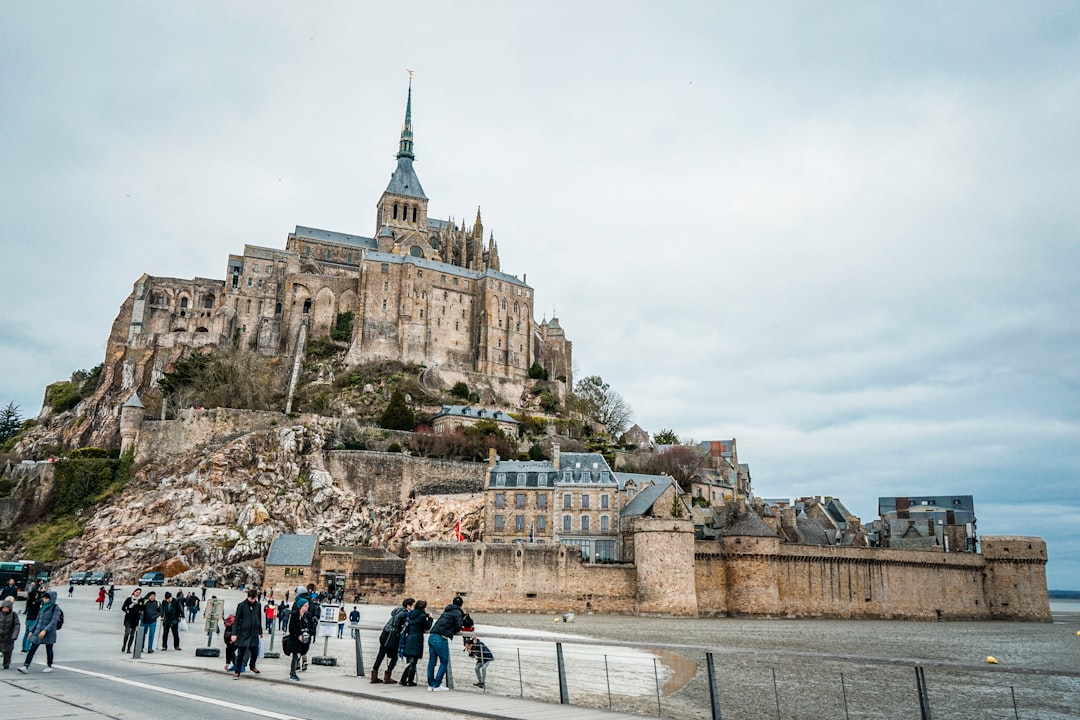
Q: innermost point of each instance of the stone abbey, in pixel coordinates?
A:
(421, 290)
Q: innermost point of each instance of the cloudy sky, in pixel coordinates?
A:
(843, 233)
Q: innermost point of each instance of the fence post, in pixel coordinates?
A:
(521, 682)
(564, 695)
(843, 690)
(359, 655)
(714, 693)
(776, 693)
(656, 679)
(924, 696)
(1016, 710)
(607, 678)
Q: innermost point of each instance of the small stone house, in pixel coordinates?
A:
(372, 574)
(452, 417)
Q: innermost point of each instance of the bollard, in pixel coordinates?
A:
(714, 693)
(140, 635)
(449, 677)
(271, 653)
(359, 655)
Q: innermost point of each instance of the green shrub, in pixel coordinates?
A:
(538, 371)
(89, 453)
(394, 448)
(460, 390)
(343, 327)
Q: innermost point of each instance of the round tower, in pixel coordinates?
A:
(131, 420)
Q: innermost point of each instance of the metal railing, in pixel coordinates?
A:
(688, 681)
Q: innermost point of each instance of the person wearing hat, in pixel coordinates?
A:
(44, 632)
(9, 629)
(301, 631)
(247, 633)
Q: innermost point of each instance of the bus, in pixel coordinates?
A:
(24, 572)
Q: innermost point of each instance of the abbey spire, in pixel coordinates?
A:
(406, 142)
(402, 209)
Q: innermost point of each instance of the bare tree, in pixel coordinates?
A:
(596, 400)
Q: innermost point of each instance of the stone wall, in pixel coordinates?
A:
(741, 576)
(394, 477)
(194, 428)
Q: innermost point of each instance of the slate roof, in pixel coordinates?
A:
(134, 401)
(525, 473)
(291, 550)
(471, 412)
(404, 180)
(334, 237)
(643, 501)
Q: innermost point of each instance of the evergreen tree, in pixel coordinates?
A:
(10, 422)
(398, 415)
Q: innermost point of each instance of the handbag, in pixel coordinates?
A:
(183, 625)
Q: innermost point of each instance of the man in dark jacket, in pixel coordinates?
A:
(171, 612)
(151, 611)
(10, 590)
(247, 632)
(389, 640)
(442, 632)
(132, 609)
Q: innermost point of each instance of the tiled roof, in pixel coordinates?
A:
(643, 500)
(404, 180)
(471, 412)
(334, 237)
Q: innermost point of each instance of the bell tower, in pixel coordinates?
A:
(402, 210)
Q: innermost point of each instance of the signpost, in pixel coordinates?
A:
(215, 611)
(327, 629)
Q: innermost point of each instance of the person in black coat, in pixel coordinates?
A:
(171, 612)
(302, 626)
(247, 632)
(132, 609)
(417, 623)
(389, 640)
(446, 627)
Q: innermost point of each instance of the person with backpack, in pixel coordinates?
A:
(132, 609)
(389, 639)
(49, 620)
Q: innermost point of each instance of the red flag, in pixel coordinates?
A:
(457, 531)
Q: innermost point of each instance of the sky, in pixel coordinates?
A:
(842, 233)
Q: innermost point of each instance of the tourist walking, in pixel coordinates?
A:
(446, 627)
(171, 612)
(44, 632)
(101, 598)
(301, 631)
(112, 594)
(269, 612)
(477, 649)
(354, 622)
(341, 617)
(283, 613)
(11, 590)
(9, 629)
(192, 606)
(417, 623)
(34, 595)
(151, 611)
(389, 640)
(247, 633)
(132, 609)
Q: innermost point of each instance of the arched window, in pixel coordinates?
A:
(208, 302)
(307, 306)
(183, 302)
(414, 213)
(395, 211)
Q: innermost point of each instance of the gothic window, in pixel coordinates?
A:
(503, 304)
(307, 306)
(421, 312)
(423, 295)
(414, 213)
(383, 304)
(260, 307)
(516, 309)
(183, 302)
(395, 210)
(277, 309)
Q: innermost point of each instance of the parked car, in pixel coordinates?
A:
(152, 578)
(79, 578)
(101, 577)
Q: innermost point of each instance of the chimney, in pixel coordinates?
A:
(555, 455)
(493, 458)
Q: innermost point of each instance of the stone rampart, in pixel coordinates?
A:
(196, 428)
(747, 576)
(394, 477)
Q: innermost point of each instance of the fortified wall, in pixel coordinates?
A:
(740, 576)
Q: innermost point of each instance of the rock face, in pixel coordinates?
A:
(213, 509)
